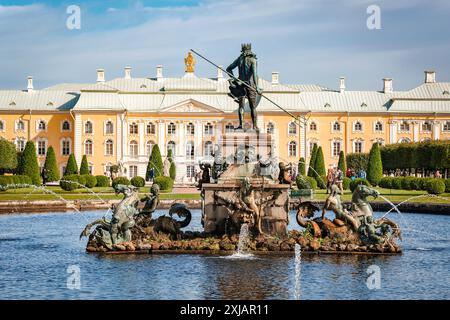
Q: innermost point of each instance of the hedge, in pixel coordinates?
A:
(397, 183)
(435, 186)
(102, 181)
(357, 182)
(447, 185)
(430, 155)
(386, 182)
(138, 182)
(20, 181)
(8, 155)
(120, 180)
(305, 182)
(165, 183)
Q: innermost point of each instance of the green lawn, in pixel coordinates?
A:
(108, 193)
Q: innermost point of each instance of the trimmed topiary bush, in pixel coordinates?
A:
(415, 183)
(138, 182)
(71, 167)
(172, 170)
(319, 166)
(91, 181)
(8, 156)
(301, 167)
(342, 163)
(120, 180)
(375, 167)
(30, 164)
(84, 167)
(435, 186)
(155, 162)
(102, 181)
(346, 183)
(312, 161)
(406, 183)
(51, 166)
(357, 182)
(305, 182)
(69, 182)
(165, 183)
(82, 179)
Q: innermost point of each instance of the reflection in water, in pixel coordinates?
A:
(36, 251)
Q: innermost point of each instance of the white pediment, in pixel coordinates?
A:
(191, 106)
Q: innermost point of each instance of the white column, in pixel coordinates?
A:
(198, 139)
(415, 131)
(161, 135)
(181, 148)
(141, 127)
(393, 132)
(77, 146)
(302, 144)
(125, 130)
(436, 130)
(119, 142)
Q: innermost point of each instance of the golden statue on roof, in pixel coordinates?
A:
(189, 61)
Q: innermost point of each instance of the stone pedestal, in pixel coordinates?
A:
(216, 212)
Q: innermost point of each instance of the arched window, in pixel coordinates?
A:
(379, 126)
(88, 147)
(109, 127)
(151, 128)
(292, 128)
(270, 128)
(229, 127)
(65, 147)
(404, 126)
(134, 128)
(292, 149)
(404, 140)
(109, 147)
(426, 126)
(336, 126)
(171, 128)
(446, 126)
(190, 129)
(20, 125)
(208, 129)
(190, 150)
(88, 127)
(358, 126)
(313, 126)
(208, 149)
(149, 148)
(65, 125)
(134, 148)
(171, 146)
(42, 126)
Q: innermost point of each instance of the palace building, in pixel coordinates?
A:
(120, 120)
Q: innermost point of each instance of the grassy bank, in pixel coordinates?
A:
(28, 194)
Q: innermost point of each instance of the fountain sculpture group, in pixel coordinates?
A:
(244, 185)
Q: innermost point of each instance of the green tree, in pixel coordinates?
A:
(170, 155)
(20, 168)
(172, 170)
(71, 167)
(301, 166)
(319, 166)
(155, 162)
(375, 166)
(84, 167)
(30, 163)
(8, 156)
(312, 161)
(342, 164)
(51, 166)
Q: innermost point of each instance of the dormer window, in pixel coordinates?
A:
(50, 104)
(12, 103)
(364, 105)
(446, 93)
(327, 105)
(143, 86)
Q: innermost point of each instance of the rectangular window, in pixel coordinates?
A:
(66, 148)
(358, 147)
(190, 171)
(133, 171)
(42, 148)
(336, 148)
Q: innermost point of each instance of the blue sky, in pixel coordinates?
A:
(307, 41)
